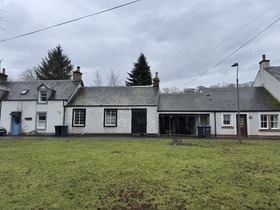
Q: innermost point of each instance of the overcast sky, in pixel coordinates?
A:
(174, 36)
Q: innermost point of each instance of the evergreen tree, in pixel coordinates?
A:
(56, 66)
(140, 74)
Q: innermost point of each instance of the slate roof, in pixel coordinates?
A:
(63, 89)
(116, 96)
(274, 71)
(219, 99)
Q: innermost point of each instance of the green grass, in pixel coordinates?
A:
(139, 174)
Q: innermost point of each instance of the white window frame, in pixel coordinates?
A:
(79, 118)
(43, 94)
(264, 121)
(274, 121)
(230, 120)
(110, 117)
(41, 124)
(269, 121)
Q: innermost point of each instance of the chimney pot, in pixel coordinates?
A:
(4, 71)
(264, 57)
(78, 68)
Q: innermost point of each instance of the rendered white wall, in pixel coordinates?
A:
(29, 109)
(253, 125)
(95, 120)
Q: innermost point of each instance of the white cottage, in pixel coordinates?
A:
(217, 108)
(35, 106)
(114, 110)
(38, 106)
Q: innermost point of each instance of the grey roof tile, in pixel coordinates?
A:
(219, 99)
(274, 71)
(116, 96)
(63, 89)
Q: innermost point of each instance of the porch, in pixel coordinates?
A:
(181, 124)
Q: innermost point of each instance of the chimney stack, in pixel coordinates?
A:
(264, 63)
(3, 76)
(77, 75)
(156, 81)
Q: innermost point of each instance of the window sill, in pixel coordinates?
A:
(269, 130)
(227, 127)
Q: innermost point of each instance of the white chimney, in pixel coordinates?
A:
(77, 75)
(264, 63)
(156, 81)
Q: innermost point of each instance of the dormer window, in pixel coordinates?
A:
(44, 93)
(42, 96)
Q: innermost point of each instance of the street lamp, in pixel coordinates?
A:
(238, 111)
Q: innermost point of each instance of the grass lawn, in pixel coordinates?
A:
(139, 174)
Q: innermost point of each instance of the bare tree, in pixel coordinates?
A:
(170, 90)
(113, 79)
(97, 80)
(223, 85)
(232, 85)
(28, 75)
(247, 84)
(188, 90)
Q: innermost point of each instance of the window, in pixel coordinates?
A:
(79, 117)
(227, 120)
(110, 117)
(43, 96)
(269, 121)
(264, 121)
(41, 120)
(274, 124)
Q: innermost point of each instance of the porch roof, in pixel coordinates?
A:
(116, 96)
(219, 99)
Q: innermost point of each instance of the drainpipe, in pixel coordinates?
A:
(215, 123)
(0, 109)
(64, 108)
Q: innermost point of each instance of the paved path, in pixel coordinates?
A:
(78, 137)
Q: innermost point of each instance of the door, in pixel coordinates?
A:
(15, 124)
(243, 125)
(139, 121)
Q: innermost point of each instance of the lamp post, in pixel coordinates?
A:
(238, 110)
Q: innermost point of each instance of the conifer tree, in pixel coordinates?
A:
(140, 74)
(56, 66)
